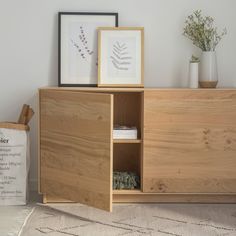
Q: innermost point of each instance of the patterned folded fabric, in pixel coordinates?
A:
(125, 180)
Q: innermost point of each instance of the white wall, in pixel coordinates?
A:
(28, 45)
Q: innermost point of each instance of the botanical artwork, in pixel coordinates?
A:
(81, 45)
(122, 57)
(83, 51)
(78, 46)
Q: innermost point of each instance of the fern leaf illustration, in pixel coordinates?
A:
(121, 45)
(120, 53)
(119, 49)
(118, 67)
(119, 62)
(120, 56)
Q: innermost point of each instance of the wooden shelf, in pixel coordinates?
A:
(127, 140)
(131, 191)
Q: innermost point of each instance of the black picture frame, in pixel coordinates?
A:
(60, 15)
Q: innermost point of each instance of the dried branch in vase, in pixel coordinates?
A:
(202, 32)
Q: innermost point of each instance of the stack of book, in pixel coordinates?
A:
(125, 132)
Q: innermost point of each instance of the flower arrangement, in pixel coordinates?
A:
(202, 32)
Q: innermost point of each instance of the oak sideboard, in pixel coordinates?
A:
(185, 151)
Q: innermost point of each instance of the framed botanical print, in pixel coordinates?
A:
(78, 59)
(120, 56)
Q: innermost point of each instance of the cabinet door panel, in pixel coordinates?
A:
(189, 141)
(76, 146)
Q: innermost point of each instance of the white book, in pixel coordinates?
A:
(123, 132)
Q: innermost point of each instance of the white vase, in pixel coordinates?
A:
(193, 74)
(208, 74)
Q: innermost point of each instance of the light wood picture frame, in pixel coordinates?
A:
(120, 57)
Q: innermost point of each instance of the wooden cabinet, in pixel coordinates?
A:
(189, 141)
(76, 147)
(185, 151)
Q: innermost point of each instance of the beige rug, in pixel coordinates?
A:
(132, 220)
(12, 219)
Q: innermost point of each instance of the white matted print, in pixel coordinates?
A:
(78, 58)
(121, 57)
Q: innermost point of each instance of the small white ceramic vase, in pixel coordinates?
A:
(193, 75)
(208, 74)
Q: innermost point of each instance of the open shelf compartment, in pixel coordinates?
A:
(127, 153)
(128, 111)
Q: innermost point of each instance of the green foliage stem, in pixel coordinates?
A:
(202, 32)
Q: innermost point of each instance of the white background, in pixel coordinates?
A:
(28, 45)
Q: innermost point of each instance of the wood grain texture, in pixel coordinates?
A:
(76, 146)
(136, 196)
(127, 140)
(38, 141)
(54, 199)
(126, 157)
(12, 125)
(172, 198)
(189, 141)
(127, 191)
(23, 114)
(208, 84)
(95, 89)
(142, 138)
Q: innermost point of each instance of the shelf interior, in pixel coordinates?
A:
(128, 110)
(127, 157)
(127, 153)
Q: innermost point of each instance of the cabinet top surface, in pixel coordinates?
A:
(96, 89)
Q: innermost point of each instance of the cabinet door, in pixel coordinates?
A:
(76, 146)
(189, 141)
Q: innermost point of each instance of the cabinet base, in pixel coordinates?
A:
(158, 198)
(174, 198)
